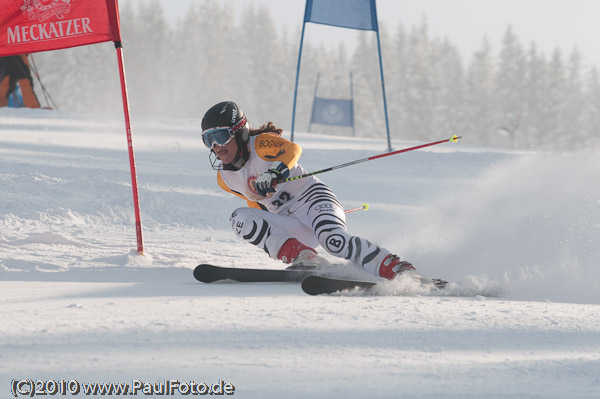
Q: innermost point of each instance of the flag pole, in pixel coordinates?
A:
(352, 106)
(136, 200)
(306, 12)
(312, 114)
(387, 123)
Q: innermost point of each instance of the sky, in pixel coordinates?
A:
(549, 23)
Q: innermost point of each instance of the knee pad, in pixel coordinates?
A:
(335, 242)
(238, 219)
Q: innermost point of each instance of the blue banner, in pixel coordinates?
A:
(332, 112)
(354, 14)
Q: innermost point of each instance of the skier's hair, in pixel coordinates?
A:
(268, 128)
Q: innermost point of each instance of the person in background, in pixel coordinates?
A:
(15, 70)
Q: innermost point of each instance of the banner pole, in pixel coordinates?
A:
(387, 123)
(307, 11)
(352, 106)
(312, 114)
(136, 200)
(376, 26)
(297, 77)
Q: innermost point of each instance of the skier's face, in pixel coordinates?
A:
(226, 153)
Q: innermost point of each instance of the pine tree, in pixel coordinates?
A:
(396, 67)
(265, 54)
(185, 94)
(589, 118)
(369, 118)
(509, 109)
(535, 90)
(555, 100)
(480, 95)
(450, 115)
(145, 43)
(572, 101)
(420, 90)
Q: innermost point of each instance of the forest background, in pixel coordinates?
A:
(506, 94)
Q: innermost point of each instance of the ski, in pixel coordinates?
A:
(210, 273)
(317, 285)
(311, 283)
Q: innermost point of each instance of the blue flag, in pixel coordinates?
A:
(354, 14)
(332, 112)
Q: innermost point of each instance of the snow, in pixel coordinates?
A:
(516, 233)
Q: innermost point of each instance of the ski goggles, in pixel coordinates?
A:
(221, 135)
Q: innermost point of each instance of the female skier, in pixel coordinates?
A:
(286, 219)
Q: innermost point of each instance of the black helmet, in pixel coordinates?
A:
(222, 122)
(226, 114)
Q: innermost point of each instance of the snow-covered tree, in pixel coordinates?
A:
(450, 114)
(515, 98)
(509, 109)
(479, 97)
(420, 89)
(588, 132)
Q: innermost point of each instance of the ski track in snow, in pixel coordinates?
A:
(516, 233)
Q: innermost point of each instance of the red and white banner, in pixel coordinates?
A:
(28, 26)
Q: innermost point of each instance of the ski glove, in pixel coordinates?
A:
(266, 182)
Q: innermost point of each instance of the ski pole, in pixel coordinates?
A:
(44, 91)
(387, 154)
(364, 206)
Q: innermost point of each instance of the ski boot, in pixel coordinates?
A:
(392, 266)
(300, 256)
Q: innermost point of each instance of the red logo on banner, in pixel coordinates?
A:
(41, 10)
(38, 25)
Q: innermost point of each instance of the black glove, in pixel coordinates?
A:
(266, 182)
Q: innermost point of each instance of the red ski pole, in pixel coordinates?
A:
(364, 207)
(387, 154)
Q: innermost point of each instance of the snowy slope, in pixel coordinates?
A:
(518, 233)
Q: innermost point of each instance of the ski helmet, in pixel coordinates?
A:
(226, 115)
(220, 124)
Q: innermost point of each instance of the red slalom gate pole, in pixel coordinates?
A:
(387, 154)
(136, 199)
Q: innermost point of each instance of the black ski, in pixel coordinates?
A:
(317, 285)
(210, 273)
